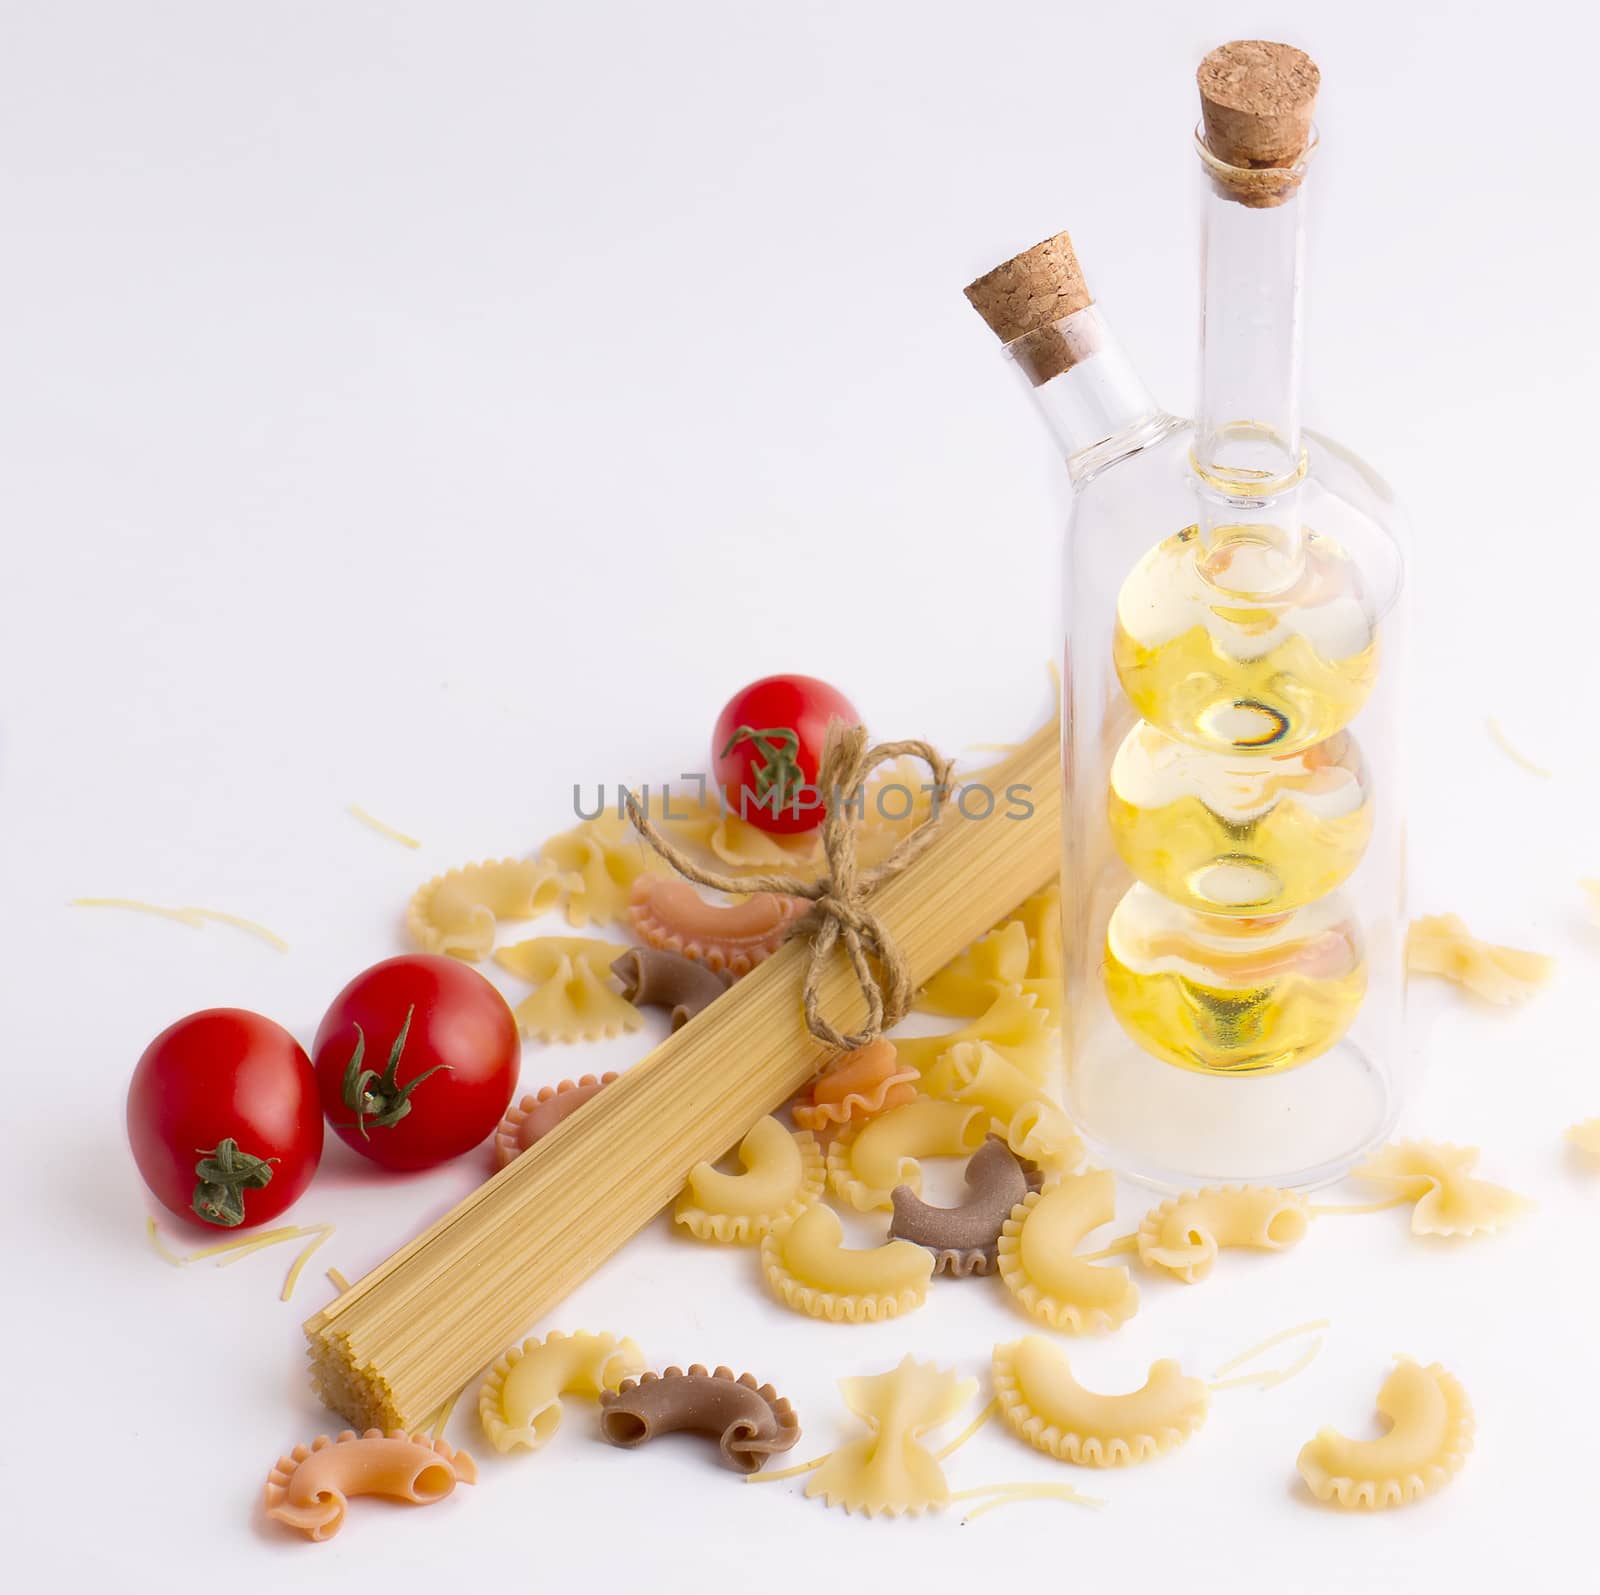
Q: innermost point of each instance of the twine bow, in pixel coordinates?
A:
(839, 898)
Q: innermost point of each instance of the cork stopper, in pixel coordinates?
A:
(1256, 102)
(1025, 298)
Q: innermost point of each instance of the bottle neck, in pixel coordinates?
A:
(1252, 274)
(1086, 389)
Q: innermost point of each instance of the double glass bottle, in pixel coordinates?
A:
(1233, 857)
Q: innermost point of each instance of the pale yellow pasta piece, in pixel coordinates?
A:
(456, 912)
(1586, 1137)
(1015, 1024)
(1438, 1178)
(1431, 1429)
(889, 1471)
(806, 1263)
(574, 999)
(1441, 944)
(1033, 1126)
(1184, 1235)
(1043, 1404)
(868, 1161)
(1040, 916)
(519, 1404)
(598, 862)
(783, 1174)
(1037, 1263)
(969, 983)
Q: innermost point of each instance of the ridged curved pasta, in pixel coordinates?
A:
(535, 1116)
(1438, 1177)
(1036, 1258)
(1431, 1429)
(856, 1085)
(806, 1263)
(456, 913)
(673, 916)
(866, 1163)
(310, 1488)
(1183, 1235)
(889, 1471)
(1043, 1404)
(1033, 1126)
(519, 1403)
(782, 1174)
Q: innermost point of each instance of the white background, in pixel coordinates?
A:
(428, 406)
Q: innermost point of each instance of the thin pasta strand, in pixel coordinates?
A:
(338, 1281)
(184, 916)
(1341, 1209)
(1293, 1333)
(1503, 742)
(970, 1430)
(444, 1416)
(1012, 1494)
(241, 1249)
(372, 822)
(162, 1249)
(239, 922)
(788, 1473)
(1116, 1248)
(324, 1231)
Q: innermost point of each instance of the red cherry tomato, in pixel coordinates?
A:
(767, 747)
(224, 1119)
(416, 1061)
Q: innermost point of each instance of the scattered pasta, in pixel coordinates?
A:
(1184, 1235)
(1438, 1178)
(1044, 1405)
(535, 1116)
(869, 1160)
(573, 999)
(654, 978)
(782, 1175)
(309, 1489)
(967, 985)
(856, 1085)
(672, 915)
(596, 864)
(1035, 1254)
(750, 1421)
(807, 1264)
(1441, 944)
(457, 912)
(1034, 1127)
(963, 1238)
(889, 1470)
(1586, 1137)
(373, 823)
(1431, 1430)
(519, 1404)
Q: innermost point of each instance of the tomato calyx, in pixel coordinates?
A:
(775, 766)
(379, 1100)
(224, 1174)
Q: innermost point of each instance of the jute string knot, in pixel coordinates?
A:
(840, 913)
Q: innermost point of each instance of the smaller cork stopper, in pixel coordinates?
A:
(1025, 298)
(1256, 100)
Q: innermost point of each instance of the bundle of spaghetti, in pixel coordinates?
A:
(408, 1335)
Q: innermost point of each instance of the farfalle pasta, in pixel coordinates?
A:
(1035, 1255)
(1431, 1430)
(535, 1116)
(1014, 1024)
(808, 1266)
(1439, 1179)
(1183, 1235)
(1441, 944)
(868, 1161)
(574, 998)
(782, 1173)
(672, 915)
(596, 864)
(519, 1403)
(1034, 1127)
(1042, 1403)
(856, 1085)
(310, 1489)
(457, 912)
(889, 1470)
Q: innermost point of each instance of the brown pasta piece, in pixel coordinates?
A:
(535, 1116)
(752, 1422)
(963, 1238)
(658, 978)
